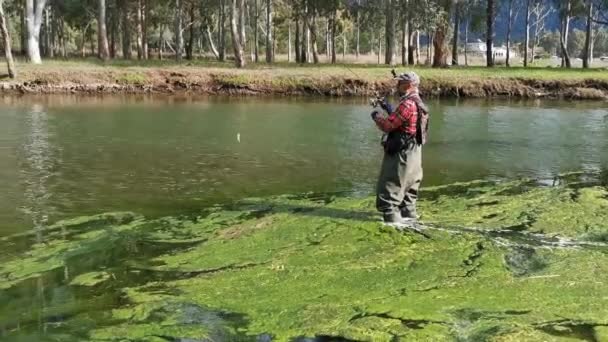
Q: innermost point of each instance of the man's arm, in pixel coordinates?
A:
(395, 120)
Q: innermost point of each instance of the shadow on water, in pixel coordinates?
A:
(260, 208)
(47, 304)
(572, 329)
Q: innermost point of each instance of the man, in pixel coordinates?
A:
(401, 172)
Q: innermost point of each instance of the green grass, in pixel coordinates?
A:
(365, 72)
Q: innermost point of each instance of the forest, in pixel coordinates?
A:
(305, 31)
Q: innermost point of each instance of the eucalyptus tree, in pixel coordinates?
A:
(6, 40)
(33, 17)
(237, 38)
(102, 33)
(490, 19)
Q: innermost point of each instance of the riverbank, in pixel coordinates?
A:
(91, 77)
(516, 261)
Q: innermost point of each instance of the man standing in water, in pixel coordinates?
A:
(401, 172)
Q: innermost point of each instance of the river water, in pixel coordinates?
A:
(63, 157)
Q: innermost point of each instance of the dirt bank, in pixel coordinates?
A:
(334, 81)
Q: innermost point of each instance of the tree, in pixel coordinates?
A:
(102, 34)
(509, 29)
(126, 30)
(440, 35)
(179, 30)
(541, 11)
(139, 30)
(389, 33)
(33, 18)
(527, 36)
(237, 43)
(256, 17)
(6, 40)
(269, 41)
(457, 15)
(490, 16)
(567, 10)
(587, 53)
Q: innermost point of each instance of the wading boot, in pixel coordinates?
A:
(408, 214)
(393, 218)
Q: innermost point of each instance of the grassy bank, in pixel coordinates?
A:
(89, 76)
(514, 261)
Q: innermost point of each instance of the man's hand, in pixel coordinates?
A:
(375, 114)
(386, 105)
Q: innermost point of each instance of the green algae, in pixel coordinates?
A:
(315, 265)
(91, 278)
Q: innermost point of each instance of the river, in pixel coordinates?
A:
(63, 157)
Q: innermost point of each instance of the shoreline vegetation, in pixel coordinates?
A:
(348, 80)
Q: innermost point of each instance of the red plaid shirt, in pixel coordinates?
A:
(404, 118)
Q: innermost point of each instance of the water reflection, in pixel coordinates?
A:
(171, 155)
(38, 164)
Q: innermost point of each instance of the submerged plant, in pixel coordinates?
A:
(505, 262)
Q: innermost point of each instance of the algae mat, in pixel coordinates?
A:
(513, 261)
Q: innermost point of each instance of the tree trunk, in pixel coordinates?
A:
(417, 39)
(305, 41)
(161, 41)
(404, 44)
(269, 56)
(139, 30)
(179, 30)
(113, 32)
(48, 52)
(64, 53)
(440, 57)
(289, 43)
(389, 33)
(239, 55)
(466, 41)
(373, 43)
(588, 36)
(429, 44)
(490, 14)
(328, 39)
(297, 43)
(564, 36)
(334, 25)
(144, 37)
(6, 40)
(312, 27)
(102, 34)
(34, 22)
(23, 30)
(527, 36)
(255, 32)
(456, 33)
(92, 43)
(509, 28)
(358, 28)
(222, 30)
(126, 31)
(54, 33)
(411, 48)
(309, 58)
(344, 47)
(242, 23)
(211, 43)
(379, 47)
(191, 35)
